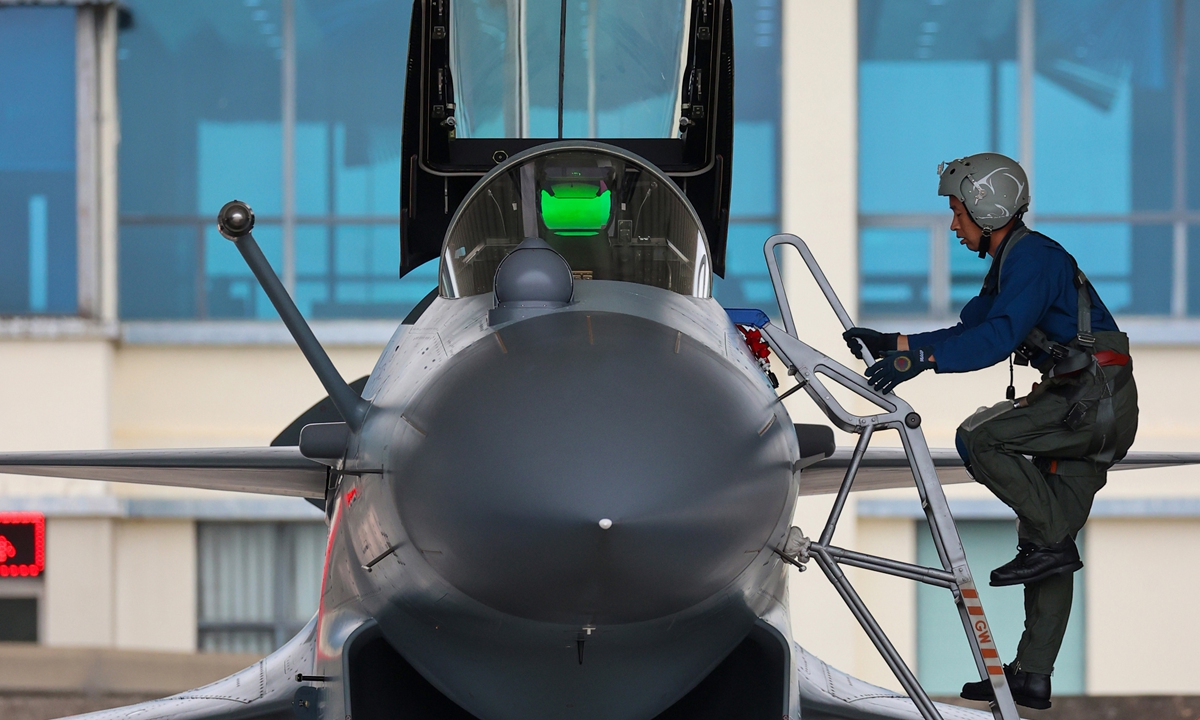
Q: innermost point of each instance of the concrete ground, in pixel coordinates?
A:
(47, 706)
(1100, 707)
(40, 683)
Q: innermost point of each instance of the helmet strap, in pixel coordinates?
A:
(985, 242)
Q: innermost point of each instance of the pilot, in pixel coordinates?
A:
(1046, 454)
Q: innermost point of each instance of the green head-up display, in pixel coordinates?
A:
(576, 208)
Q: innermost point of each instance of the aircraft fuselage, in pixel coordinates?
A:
(571, 514)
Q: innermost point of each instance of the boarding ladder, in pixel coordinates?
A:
(811, 369)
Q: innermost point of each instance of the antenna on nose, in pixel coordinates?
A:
(235, 221)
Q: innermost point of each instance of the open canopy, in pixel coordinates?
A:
(488, 79)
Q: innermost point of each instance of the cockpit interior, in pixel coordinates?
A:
(610, 217)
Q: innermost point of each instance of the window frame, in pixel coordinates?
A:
(283, 583)
(96, 137)
(1176, 327)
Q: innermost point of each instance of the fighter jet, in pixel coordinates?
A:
(566, 489)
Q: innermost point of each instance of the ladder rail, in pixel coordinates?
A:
(839, 503)
(920, 573)
(810, 366)
(878, 637)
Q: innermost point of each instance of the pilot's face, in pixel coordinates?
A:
(964, 227)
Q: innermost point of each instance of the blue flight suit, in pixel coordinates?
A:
(1031, 284)
(1038, 291)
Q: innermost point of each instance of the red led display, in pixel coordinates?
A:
(22, 544)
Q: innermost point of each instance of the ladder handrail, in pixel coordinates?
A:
(810, 365)
(785, 309)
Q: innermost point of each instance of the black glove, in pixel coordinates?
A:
(896, 367)
(877, 343)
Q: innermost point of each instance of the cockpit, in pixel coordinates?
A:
(611, 217)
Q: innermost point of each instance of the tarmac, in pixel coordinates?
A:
(42, 683)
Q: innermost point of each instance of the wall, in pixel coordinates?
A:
(122, 582)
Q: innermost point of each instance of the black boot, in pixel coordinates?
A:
(1034, 563)
(1031, 690)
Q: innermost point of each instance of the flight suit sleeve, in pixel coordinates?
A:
(973, 313)
(1031, 281)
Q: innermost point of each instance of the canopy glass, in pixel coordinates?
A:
(568, 68)
(609, 216)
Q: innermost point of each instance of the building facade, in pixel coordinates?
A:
(128, 322)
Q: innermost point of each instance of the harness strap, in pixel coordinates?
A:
(1065, 359)
(1075, 357)
(1083, 311)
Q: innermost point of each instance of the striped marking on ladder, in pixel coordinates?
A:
(983, 634)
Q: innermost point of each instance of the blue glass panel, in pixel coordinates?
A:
(757, 62)
(1102, 128)
(1083, 151)
(230, 289)
(906, 126)
(893, 271)
(200, 99)
(37, 161)
(187, 65)
(366, 180)
(746, 282)
(754, 170)
(1129, 265)
(943, 658)
(1150, 272)
(159, 270)
(936, 81)
(239, 160)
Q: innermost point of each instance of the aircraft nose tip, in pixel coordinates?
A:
(551, 495)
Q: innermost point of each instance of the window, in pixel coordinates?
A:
(18, 619)
(754, 197)
(1092, 96)
(291, 105)
(217, 98)
(259, 583)
(943, 658)
(38, 241)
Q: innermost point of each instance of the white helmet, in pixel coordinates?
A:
(993, 188)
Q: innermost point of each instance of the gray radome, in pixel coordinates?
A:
(534, 275)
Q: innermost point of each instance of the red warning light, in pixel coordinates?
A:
(22, 544)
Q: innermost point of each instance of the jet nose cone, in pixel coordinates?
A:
(598, 468)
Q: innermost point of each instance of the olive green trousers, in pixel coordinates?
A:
(1048, 473)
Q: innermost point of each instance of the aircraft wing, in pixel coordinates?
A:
(827, 692)
(267, 470)
(267, 690)
(883, 468)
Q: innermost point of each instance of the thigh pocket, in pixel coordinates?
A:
(985, 414)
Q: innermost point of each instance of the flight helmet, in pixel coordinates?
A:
(992, 187)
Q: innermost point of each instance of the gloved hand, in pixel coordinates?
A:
(896, 367)
(877, 343)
